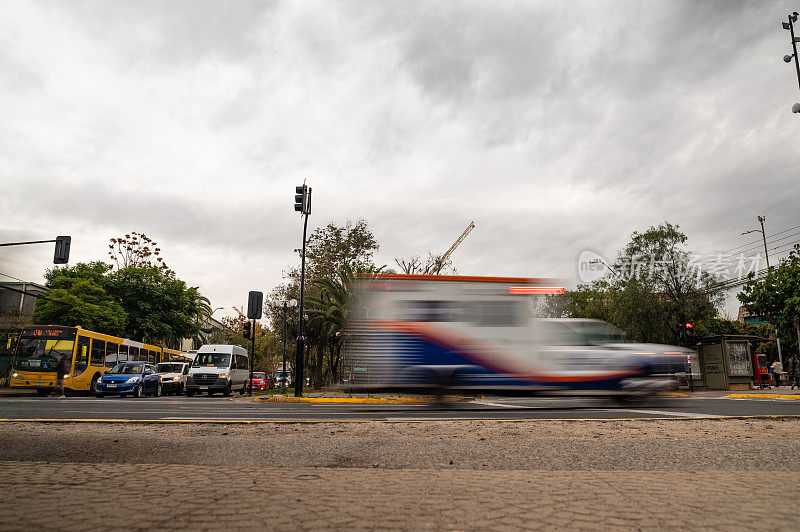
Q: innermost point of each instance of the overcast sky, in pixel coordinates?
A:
(555, 126)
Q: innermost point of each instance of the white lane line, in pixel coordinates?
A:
(657, 412)
(502, 405)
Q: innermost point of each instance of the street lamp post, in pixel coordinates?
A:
(788, 58)
(761, 220)
(285, 306)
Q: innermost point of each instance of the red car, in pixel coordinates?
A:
(259, 382)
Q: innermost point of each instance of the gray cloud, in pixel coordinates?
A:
(555, 126)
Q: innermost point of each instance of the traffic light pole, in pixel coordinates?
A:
(298, 361)
(283, 379)
(61, 255)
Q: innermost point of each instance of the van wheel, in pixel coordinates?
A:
(227, 391)
(189, 393)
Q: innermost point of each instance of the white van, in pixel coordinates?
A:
(218, 368)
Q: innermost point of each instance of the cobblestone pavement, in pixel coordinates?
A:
(646, 475)
(87, 496)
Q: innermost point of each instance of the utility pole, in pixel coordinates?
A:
(787, 58)
(761, 220)
(302, 204)
(764, 236)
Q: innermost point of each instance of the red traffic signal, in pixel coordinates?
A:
(689, 326)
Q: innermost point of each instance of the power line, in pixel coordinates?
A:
(12, 277)
(759, 241)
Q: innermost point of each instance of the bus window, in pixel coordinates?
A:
(415, 310)
(133, 353)
(112, 349)
(497, 314)
(81, 355)
(151, 357)
(98, 352)
(123, 354)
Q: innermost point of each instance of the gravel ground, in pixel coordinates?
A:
(676, 445)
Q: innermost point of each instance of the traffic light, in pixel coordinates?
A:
(689, 333)
(302, 199)
(246, 331)
(61, 255)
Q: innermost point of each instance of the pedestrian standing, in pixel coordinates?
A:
(62, 370)
(777, 369)
(794, 372)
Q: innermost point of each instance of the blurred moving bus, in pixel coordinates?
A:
(90, 353)
(481, 334)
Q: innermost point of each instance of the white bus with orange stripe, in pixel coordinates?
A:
(481, 334)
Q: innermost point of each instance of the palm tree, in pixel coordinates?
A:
(330, 308)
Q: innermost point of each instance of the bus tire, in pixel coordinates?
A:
(42, 393)
(99, 395)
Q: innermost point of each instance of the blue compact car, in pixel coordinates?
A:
(135, 378)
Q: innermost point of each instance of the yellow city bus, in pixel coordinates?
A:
(174, 355)
(39, 349)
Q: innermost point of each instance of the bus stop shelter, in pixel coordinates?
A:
(725, 361)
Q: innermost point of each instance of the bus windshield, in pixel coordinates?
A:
(220, 360)
(41, 354)
(126, 369)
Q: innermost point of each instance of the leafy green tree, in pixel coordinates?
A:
(159, 306)
(332, 247)
(776, 297)
(330, 250)
(653, 288)
(78, 296)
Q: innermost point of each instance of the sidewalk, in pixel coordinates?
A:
(6, 391)
(783, 390)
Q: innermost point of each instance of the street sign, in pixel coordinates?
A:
(255, 305)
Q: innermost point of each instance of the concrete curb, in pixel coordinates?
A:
(366, 421)
(760, 396)
(353, 400)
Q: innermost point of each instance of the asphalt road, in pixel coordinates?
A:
(490, 408)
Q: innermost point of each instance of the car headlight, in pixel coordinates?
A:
(132, 380)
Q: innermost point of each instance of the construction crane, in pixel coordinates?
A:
(437, 266)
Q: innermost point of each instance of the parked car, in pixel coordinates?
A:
(173, 377)
(135, 378)
(259, 382)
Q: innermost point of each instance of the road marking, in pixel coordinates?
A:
(502, 405)
(760, 396)
(660, 412)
